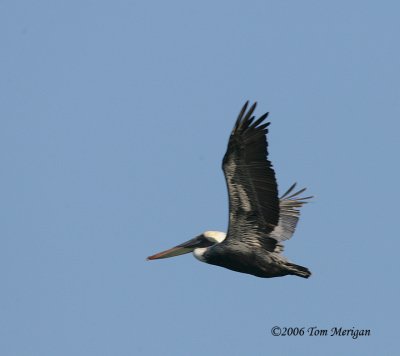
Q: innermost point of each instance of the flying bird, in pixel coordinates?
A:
(259, 221)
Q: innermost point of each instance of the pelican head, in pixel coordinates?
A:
(197, 245)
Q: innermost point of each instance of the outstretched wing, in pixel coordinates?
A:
(253, 192)
(289, 205)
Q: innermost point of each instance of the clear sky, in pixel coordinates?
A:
(114, 117)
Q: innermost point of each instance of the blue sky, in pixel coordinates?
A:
(114, 117)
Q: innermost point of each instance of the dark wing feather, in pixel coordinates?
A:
(290, 204)
(252, 187)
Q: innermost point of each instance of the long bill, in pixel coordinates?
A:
(186, 247)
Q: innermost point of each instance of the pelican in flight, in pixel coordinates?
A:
(259, 221)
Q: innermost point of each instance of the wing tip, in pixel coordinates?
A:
(241, 113)
(288, 196)
(245, 119)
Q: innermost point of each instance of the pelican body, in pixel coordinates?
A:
(259, 221)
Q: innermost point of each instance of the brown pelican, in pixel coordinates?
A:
(258, 219)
